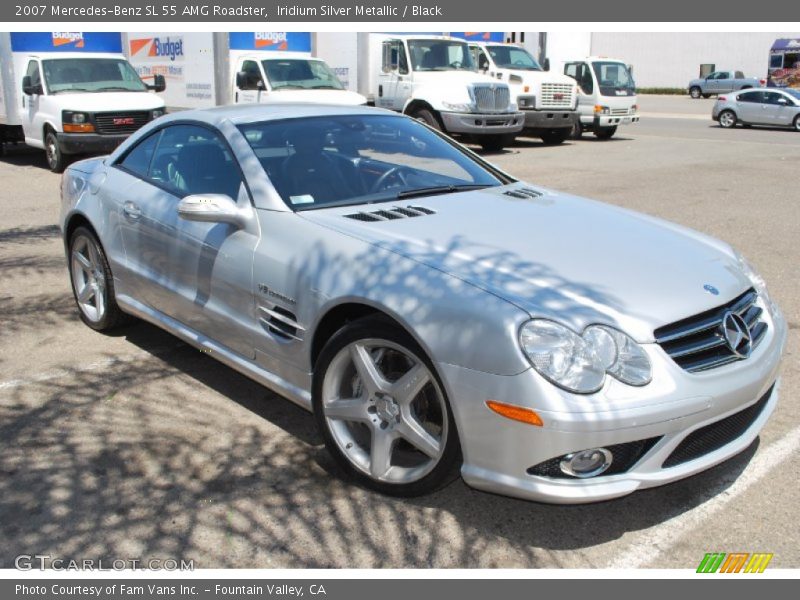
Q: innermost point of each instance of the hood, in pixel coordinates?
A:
(343, 97)
(451, 78)
(109, 101)
(558, 256)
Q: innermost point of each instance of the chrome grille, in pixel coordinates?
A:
(697, 344)
(620, 111)
(491, 97)
(121, 122)
(556, 95)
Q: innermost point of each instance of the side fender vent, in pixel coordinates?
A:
(281, 323)
(524, 193)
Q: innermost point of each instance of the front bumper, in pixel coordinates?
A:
(481, 124)
(553, 119)
(498, 452)
(599, 121)
(89, 143)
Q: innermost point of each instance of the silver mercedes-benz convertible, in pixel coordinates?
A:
(434, 313)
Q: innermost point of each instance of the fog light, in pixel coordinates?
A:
(586, 463)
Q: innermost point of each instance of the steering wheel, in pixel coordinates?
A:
(456, 64)
(393, 172)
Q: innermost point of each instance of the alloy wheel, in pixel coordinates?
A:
(88, 278)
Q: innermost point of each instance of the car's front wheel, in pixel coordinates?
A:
(56, 159)
(695, 92)
(92, 281)
(383, 412)
(605, 133)
(727, 119)
(797, 123)
(553, 137)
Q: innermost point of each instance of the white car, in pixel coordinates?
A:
(765, 106)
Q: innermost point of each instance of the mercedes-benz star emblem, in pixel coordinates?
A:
(736, 334)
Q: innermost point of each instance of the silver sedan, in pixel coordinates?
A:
(766, 106)
(435, 314)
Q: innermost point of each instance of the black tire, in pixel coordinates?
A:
(797, 123)
(695, 92)
(378, 328)
(112, 315)
(727, 119)
(554, 137)
(605, 133)
(495, 142)
(429, 118)
(577, 130)
(56, 159)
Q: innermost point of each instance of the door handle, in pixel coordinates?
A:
(131, 210)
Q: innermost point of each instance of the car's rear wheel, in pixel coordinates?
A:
(92, 281)
(695, 92)
(797, 123)
(727, 119)
(383, 412)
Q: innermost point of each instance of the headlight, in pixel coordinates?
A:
(459, 107)
(76, 122)
(527, 101)
(579, 363)
(562, 356)
(602, 110)
(157, 113)
(758, 282)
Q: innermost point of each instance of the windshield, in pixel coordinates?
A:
(300, 74)
(440, 55)
(614, 79)
(794, 93)
(316, 162)
(512, 57)
(91, 75)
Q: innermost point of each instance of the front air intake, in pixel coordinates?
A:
(391, 214)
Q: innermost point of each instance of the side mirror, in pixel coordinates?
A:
(783, 101)
(546, 64)
(28, 88)
(159, 83)
(210, 208)
(241, 80)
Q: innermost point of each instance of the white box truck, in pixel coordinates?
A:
(430, 77)
(71, 93)
(548, 100)
(606, 94)
(206, 69)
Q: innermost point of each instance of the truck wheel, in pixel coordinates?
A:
(605, 133)
(695, 92)
(428, 118)
(496, 142)
(553, 137)
(577, 130)
(706, 95)
(56, 159)
(727, 119)
(383, 412)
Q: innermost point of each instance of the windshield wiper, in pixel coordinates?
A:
(289, 87)
(325, 87)
(443, 189)
(115, 89)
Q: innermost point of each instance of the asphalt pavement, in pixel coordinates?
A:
(134, 445)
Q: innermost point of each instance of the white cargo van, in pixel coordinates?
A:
(71, 93)
(606, 94)
(211, 69)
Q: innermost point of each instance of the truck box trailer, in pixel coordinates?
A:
(71, 93)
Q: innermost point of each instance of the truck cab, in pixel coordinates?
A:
(73, 101)
(606, 94)
(288, 77)
(434, 79)
(548, 100)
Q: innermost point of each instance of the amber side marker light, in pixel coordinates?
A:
(515, 413)
(78, 128)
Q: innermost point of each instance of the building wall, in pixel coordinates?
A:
(672, 59)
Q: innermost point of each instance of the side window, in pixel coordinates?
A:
(739, 75)
(772, 97)
(34, 73)
(394, 57)
(571, 70)
(138, 160)
(750, 97)
(585, 78)
(194, 160)
(252, 75)
(713, 76)
(776, 61)
(481, 60)
(723, 75)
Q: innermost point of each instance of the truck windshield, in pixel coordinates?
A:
(318, 162)
(297, 74)
(440, 55)
(512, 57)
(613, 78)
(91, 75)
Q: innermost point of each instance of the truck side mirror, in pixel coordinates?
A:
(241, 80)
(29, 89)
(546, 64)
(159, 83)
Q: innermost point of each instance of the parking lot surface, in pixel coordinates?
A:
(135, 445)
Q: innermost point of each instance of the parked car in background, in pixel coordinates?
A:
(769, 106)
(720, 82)
(436, 314)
